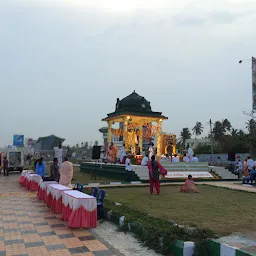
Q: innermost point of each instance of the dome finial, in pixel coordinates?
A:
(134, 91)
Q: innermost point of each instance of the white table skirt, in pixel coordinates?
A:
(26, 172)
(44, 184)
(34, 177)
(76, 199)
(56, 190)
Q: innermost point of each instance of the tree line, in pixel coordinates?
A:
(226, 138)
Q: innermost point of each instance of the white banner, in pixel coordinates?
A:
(253, 83)
(171, 175)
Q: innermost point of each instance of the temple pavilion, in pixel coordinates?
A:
(138, 124)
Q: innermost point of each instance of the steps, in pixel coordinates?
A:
(224, 173)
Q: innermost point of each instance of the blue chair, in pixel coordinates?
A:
(94, 192)
(100, 207)
(79, 187)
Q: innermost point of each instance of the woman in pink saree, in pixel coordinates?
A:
(66, 173)
(154, 168)
(189, 186)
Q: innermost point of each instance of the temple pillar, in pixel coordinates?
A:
(125, 134)
(140, 137)
(109, 131)
(159, 138)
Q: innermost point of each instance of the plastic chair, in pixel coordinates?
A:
(100, 207)
(94, 192)
(79, 187)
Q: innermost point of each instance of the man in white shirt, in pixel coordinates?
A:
(175, 159)
(128, 168)
(190, 153)
(122, 154)
(194, 159)
(144, 161)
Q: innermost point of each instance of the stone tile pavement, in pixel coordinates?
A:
(28, 227)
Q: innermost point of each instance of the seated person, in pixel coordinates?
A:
(144, 160)
(189, 186)
(165, 159)
(194, 159)
(185, 158)
(175, 159)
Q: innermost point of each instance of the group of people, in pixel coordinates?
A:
(248, 168)
(62, 173)
(156, 169)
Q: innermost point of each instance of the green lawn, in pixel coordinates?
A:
(221, 210)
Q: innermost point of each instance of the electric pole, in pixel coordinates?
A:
(211, 139)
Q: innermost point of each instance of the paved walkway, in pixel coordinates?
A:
(28, 227)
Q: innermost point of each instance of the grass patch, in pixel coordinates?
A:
(221, 210)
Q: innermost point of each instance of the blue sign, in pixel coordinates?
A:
(18, 140)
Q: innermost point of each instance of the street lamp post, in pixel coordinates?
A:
(253, 83)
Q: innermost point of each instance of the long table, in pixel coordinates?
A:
(79, 209)
(30, 180)
(54, 196)
(42, 189)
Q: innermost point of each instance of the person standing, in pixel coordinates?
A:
(6, 166)
(190, 153)
(66, 173)
(41, 167)
(154, 167)
(112, 153)
(55, 175)
(151, 150)
(128, 168)
(122, 154)
(170, 150)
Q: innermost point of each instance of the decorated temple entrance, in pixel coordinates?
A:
(138, 126)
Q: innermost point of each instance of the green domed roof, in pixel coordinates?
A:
(133, 102)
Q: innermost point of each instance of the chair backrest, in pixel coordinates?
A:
(94, 192)
(101, 195)
(76, 186)
(79, 187)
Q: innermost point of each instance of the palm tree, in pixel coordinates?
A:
(234, 132)
(198, 129)
(185, 134)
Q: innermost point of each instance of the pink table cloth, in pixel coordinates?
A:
(42, 189)
(54, 196)
(79, 209)
(30, 180)
(23, 177)
(33, 181)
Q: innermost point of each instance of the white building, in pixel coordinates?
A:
(193, 143)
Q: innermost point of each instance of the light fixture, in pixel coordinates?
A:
(161, 120)
(128, 117)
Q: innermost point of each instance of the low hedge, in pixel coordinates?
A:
(158, 234)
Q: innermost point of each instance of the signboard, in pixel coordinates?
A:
(184, 175)
(30, 143)
(18, 140)
(253, 83)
